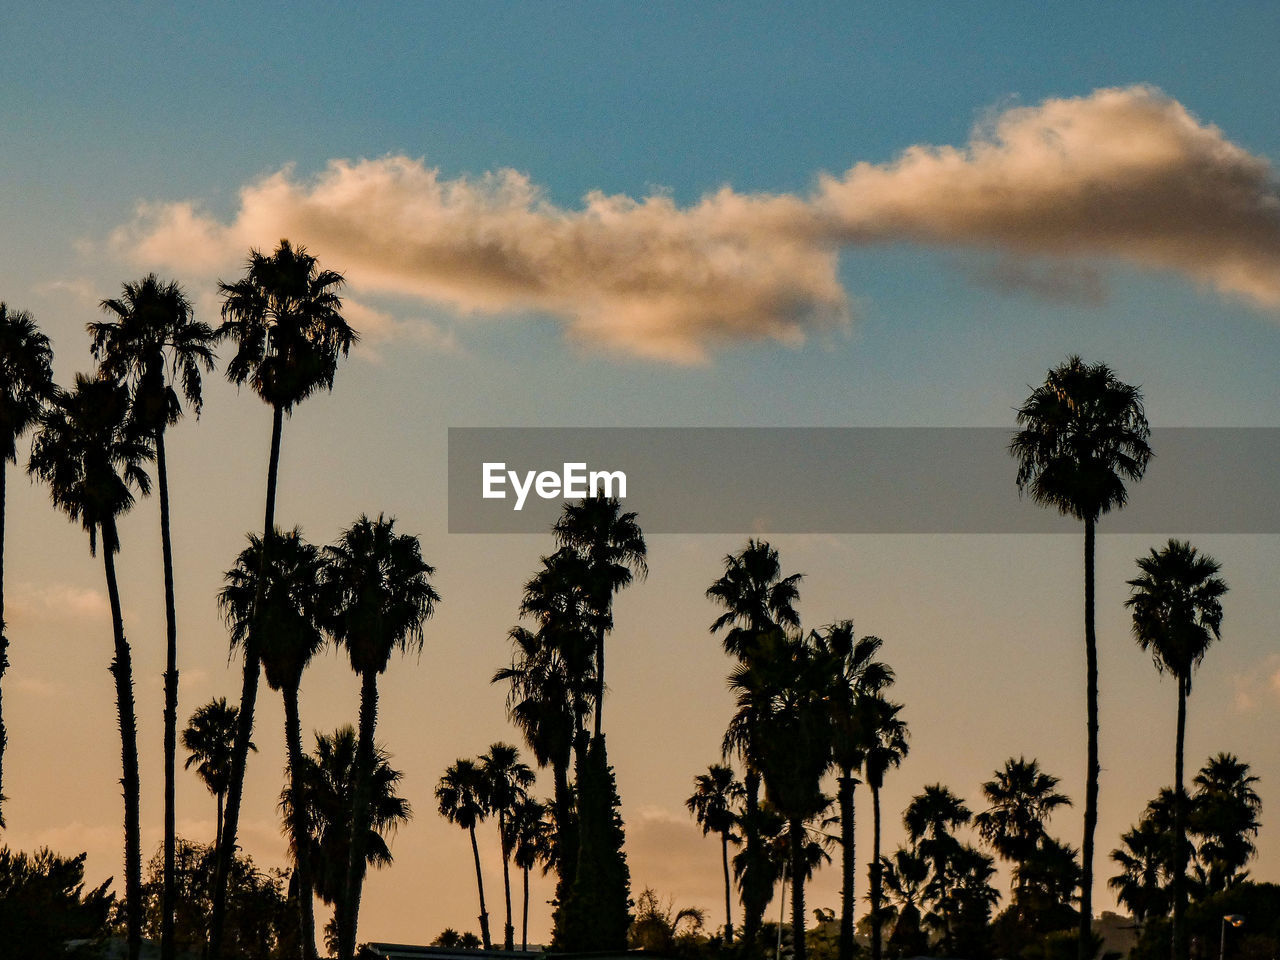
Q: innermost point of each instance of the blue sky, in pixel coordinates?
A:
(106, 108)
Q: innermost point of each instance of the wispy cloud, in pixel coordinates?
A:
(1122, 175)
(55, 601)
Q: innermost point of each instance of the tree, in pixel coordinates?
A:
(758, 600)
(529, 831)
(929, 819)
(905, 876)
(1084, 434)
(285, 318)
(1022, 798)
(508, 780)
(1224, 818)
(209, 739)
(380, 595)
(149, 342)
(26, 385)
(857, 680)
(44, 903)
(289, 611)
(461, 794)
(888, 749)
(713, 801)
(1177, 614)
(93, 462)
(1140, 884)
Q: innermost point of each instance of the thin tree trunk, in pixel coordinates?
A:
(4, 640)
(847, 863)
(797, 888)
(301, 838)
(1085, 940)
(1180, 832)
(484, 914)
(359, 814)
(509, 931)
(728, 888)
(217, 837)
(169, 897)
(599, 679)
(876, 878)
(122, 671)
(248, 695)
(752, 908)
(524, 918)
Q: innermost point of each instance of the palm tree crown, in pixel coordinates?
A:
(26, 377)
(1177, 606)
(209, 740)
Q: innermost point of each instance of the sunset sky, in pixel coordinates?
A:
(664, 214)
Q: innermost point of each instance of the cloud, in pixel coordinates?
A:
(56, 602)
(1122, 175)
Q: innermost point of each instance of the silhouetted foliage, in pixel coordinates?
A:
(44, 903)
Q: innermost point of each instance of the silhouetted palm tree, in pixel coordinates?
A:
(1140, 885)
(1083, 435)
(288, 615)
(461, 796)
(611, 545)
(758, 601)
(529, 830)
(1022, 798)
(210, 740)
(855, 684)
(905, 876)
(285, 318)
(929, 818)
(92, 463)
(150, 343)
(888, 749)
(1224, 816)
(1177, 614)
(508, 780)
(715, 796)
(380, 596)
(26, 385)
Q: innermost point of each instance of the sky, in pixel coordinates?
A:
(615, 214)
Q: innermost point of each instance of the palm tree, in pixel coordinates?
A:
(929, 819)
(289, 612)
(508, 780)
(758, 600)
(888, 749)
(855, 684)
(327, 783)
(93, 463)
(1177, 614)
(285, 318)
(1140, 883)
(611, 546)
(462, 799)
(209, 740)
(528, 837)
(1224, 816)
(150, 342)
(1022, 798)
(1083, 435)
(905, 876)
(715, 796)
(380, 595)
(26, 385)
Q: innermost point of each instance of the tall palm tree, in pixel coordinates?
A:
(930, 818)
(462, 799)
(508, 780)
(713, 804)
(1084, 434)
(611, 545)
(888, 749)
(758, 600)
(210, 740)
(26, 385)
(92, 462)
(150, 343)
(528, 837)
(1224, 817)
(380, 595)
(856, 682)
(285, 318)
(1177, 614)
(289, 612)
(1022, 798)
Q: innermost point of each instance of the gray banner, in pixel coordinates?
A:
(843, 480)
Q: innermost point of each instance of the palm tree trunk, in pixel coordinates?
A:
(876, 877)
(728, 888)
(524, 918)
(484, 914)
(1180, 832)
(509, 931)
(169, 896)
(248, 695)
(847, 862)
(301, 838)
(4, 640)
(1085, 939)
(122, 671)
(566, 833)
(217, 837)
(359, 814)
(752, 905)
(797, 888)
